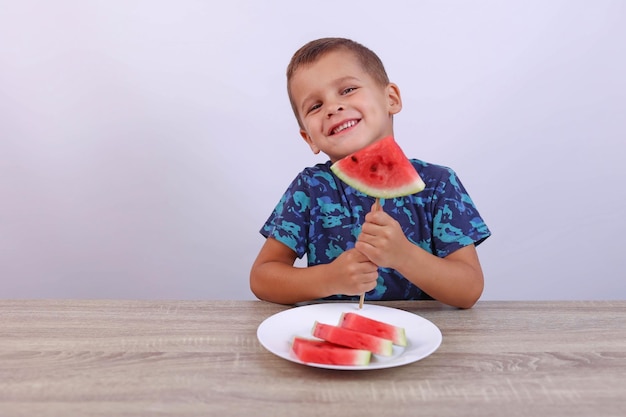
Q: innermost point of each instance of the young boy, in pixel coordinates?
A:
(417, 247)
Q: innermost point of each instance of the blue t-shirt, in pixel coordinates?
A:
(320, 216)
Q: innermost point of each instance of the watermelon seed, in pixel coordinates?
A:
(354, 159)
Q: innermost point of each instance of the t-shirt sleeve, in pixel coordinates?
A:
(456, 221)
(288, 222)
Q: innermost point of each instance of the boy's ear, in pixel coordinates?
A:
(394, 98)
(309, 141)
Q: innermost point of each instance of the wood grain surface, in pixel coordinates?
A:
(202, 358)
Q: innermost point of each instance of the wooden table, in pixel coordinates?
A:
(202, 358)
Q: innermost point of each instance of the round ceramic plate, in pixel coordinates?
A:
(276, 332)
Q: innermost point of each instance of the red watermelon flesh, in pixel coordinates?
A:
(364, 324)
(379, 170)
(320, 351)
(352, 339)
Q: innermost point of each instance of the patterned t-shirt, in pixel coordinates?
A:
(320, 216)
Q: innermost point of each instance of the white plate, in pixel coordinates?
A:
(276, 332)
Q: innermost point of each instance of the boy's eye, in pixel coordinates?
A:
(348, 90)
(314, 107)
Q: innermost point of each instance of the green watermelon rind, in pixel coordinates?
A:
(409, 189)
(360, 170)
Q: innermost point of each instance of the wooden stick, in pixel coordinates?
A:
(375, 208)
(361, 300)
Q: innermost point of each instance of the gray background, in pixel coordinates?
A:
(144, 143)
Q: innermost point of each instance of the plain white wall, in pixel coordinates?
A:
(144, 143)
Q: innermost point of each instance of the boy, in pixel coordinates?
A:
(417, 247)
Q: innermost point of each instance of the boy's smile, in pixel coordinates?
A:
(341, 107)
(343, 126)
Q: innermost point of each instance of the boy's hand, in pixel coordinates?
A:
(355, 273)
(382, 239)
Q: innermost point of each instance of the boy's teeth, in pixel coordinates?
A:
(344, 126)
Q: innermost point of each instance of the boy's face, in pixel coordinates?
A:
(341, 107)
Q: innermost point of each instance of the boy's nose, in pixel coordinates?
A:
(335, 108)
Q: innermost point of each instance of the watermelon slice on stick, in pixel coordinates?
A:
(380, 170)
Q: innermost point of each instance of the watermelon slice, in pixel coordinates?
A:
(379, 170)
(363, 324)
(320, 351)
(353, 339)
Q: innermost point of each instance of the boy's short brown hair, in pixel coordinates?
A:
(314, 50)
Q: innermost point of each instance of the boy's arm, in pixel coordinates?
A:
(456, 280)
(274, 278)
